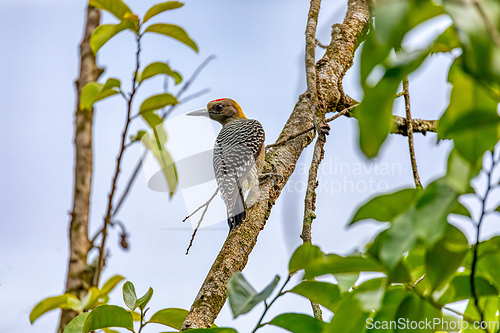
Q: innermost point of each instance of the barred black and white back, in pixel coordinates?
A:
(238, 151)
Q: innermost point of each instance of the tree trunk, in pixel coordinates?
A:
(79, 276)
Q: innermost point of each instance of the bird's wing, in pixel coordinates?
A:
(236, 149)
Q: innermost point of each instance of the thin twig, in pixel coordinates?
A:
(337, 115)
(478, 230)
(206, 204)
(108, 216)
(323, 46)
(129, 184)
(399, 94)
(418, 280)
(195, 95)
(188, 83)
(267, 306)
(409, 131)
(321, 128)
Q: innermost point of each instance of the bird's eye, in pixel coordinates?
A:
(218, 107)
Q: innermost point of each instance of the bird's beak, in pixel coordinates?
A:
(199, 112)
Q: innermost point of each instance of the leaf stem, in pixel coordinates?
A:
(267, 306)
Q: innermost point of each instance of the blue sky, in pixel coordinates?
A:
(259, 49)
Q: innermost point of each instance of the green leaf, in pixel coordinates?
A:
(159, 68)
(397, 240)
(446, 255)
(160, 8)
(65, 301)
(91, 299)
(471, 118)
(161, 154)
(138, 136)
(242, 297)
(387, 313)
(129, 295)
(432, 209)
(323, 293)
(346, 281)
(426, 220)
(302, 256)
(173, 31)
(481, 53)
(136, 316)
(386, 207)
(460, 209)
(487, 266)
(93, 92)
(334, 264)
(103, 33)
(108, 316)
(171, 317)
(109, 285)
(116, 7)
(157, 102)
(459, 289)
(447, 41)
(370, 294)
(298, 323)
(461, 172)
(414, 309)
(348, 318)
(144, 300)
(76, 324)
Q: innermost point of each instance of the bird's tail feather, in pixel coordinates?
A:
(237, 213)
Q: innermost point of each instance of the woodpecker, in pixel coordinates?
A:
(238, 156)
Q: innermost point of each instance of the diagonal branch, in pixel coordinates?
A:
(282, 160)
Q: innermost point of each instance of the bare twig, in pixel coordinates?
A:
(188, 83)
(478, 230)
(108, 216)
(337, 115)
(399, 94)
(321, 129)
(194, 95)
(409, 131)
(323, 46)
(206, 204)
(129, 184)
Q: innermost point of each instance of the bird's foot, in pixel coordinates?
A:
(263, 177)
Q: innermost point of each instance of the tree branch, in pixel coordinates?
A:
(206, 204)
(282, 160)
(77, 280)
(109, 211)
(321, 129)
(409, 132)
